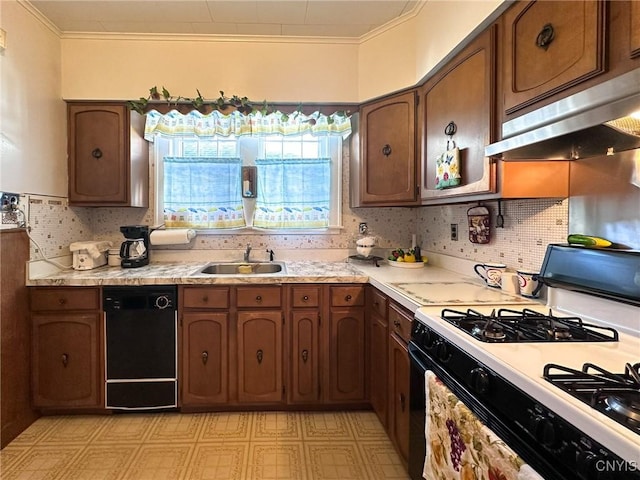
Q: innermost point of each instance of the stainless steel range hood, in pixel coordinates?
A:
(601, 120)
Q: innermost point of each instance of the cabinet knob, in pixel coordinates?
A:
(259, 355)
(205, 357)
(62, 301)
(386, 150)
(65, 360)
(305, 298)
(258, 298)
(402, 402)
(396, 323)
(205, 299)
(305, 355)
(545, 37)
(96, 153)
(348, 298)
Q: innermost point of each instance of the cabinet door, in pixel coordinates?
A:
(66, 356)
(98, 153)
(305, 386)
(388, 170)
(549, 47)
(462, 93)
(260, 356)
(345, 347)
(635, 29)
(399, 368)
(378, 364)
(204, 358)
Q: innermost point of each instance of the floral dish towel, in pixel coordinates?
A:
(448, 169)
(460, 446)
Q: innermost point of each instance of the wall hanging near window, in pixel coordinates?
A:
(448, 163)
(479, 225)
(249, 182)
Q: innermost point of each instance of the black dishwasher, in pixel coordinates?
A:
(140, 347)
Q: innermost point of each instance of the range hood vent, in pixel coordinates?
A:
(601, 120)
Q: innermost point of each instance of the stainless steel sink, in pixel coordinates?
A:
(242, 268)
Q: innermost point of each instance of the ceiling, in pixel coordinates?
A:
(287, 18)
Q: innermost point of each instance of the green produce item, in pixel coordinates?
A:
(587, 241)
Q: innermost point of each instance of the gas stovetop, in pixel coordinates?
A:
(506, 325)
(616, 395)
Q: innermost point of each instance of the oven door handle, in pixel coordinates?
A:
(415, 356)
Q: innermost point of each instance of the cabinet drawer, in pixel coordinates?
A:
(400, 322)
(377, 302)
(347, 296)
(259, 297)
(211, 297)
(305, 297)
(65, 299)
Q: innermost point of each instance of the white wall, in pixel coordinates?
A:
(32, 113)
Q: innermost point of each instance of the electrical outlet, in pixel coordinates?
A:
(9, 201)
(454, 232)
(362, 228)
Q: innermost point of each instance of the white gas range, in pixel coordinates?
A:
(558, 433)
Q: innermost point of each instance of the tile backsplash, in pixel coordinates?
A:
(528, 227)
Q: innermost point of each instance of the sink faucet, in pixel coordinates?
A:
(247, 252)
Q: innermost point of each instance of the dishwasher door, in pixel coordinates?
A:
(141, 347)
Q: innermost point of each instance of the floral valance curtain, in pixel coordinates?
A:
(202, 193)
(197, 124)
(298, 193)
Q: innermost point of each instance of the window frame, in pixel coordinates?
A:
(335, 146)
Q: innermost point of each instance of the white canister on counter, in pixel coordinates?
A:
(113, 258)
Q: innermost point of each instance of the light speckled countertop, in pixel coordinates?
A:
(384, 277)
(186, 273)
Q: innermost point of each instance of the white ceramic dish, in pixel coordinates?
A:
(406, 264)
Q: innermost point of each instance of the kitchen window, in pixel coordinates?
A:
(199, 173)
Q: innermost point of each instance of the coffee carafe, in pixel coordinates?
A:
(134, 251)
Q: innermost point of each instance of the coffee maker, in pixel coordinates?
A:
(134, 251)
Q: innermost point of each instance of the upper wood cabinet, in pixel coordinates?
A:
(549, 47)
(634, 35)
(108, 157)
(387, 163)
(462, 93)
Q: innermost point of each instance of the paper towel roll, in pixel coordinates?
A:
(175, 236)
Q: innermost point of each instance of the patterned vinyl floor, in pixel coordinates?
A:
(204, 446)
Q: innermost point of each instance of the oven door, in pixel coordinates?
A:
(455, 440)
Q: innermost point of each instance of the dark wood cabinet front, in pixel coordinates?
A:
(305, 357)
(66, 360)
(399, 369)
(461, 95)
(260, 356)
(549, 47)
(378, 352)
(388, 162)
(345, 346)
(108, 158)
(205, 358)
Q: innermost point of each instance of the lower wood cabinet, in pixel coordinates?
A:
(399, 371)
(304, 344)
(260, 357)
(344, 335)
(66, 360)
(67, 348)
(204, 373)
(378, 359)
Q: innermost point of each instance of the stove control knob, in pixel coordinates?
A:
(442, 351)
(162, 302)
(479, 380)
(587, 465)
(544, 430)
